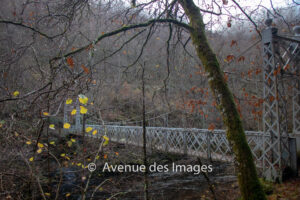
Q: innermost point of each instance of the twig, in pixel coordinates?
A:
(211, 188)
(123, 29)
(94, 161)
(146, 194)
(250, 19)
(97, 188)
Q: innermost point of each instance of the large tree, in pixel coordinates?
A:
(250, 186)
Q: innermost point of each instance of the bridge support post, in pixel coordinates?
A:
(277, 154)
(184, 142)
(119, 135)
(166, 141)
(293, 152)
(271, 119)
(296, 84)
(126, 138)
(208, 138)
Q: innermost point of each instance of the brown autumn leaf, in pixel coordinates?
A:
(85, 69)
(257, 71)
(286, 67)
(70, 62)
(229, 23)
(250, 73)
(233, 42)
(211, 127)
(277, 71)
(242, 58)
(225, 2)
(226, 77)
(90, 47)
(229, 58)
(193, 88)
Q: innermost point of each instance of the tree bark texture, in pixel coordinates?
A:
(250, 186)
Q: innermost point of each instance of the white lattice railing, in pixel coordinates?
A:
(198, 142)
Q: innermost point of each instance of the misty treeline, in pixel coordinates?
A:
(37, 36)
(54, 50)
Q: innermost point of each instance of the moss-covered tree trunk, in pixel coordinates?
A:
(250, 186)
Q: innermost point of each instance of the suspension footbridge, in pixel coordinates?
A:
(274, 149)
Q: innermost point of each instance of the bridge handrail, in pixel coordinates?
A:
(215, 131)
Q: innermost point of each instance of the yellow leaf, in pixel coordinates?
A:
(97, 157)
(16, 93)
(63, 155)
(28, 142)
(40, 145)
(69, 101)
(73, 140)
(52, 126)
(95, 132)
(83, 110)
(105, 137)
(74, 111)
(46, 113)
(31, 159)
(105, 143)
(78, 164)
(88, 129)
(67, 125)
(52, 142)
(68, 194)
(69, 143)
(16, 134)
(47, 194)
(39, 151)
(83, 99)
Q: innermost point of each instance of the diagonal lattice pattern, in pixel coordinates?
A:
(198, 142)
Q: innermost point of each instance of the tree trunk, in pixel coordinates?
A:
(250, 186)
